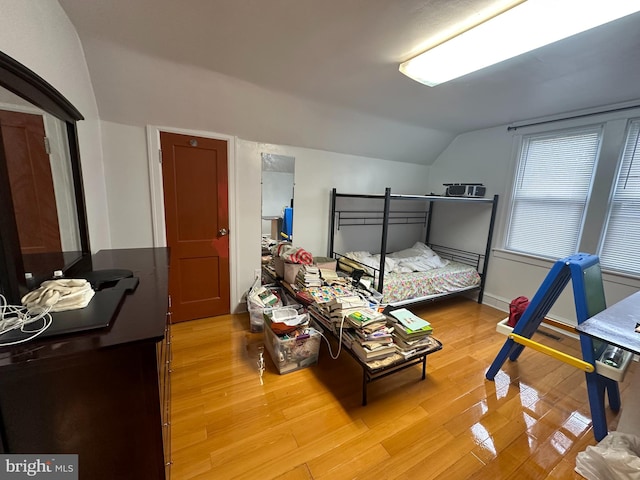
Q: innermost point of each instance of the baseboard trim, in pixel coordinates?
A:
(502, 304)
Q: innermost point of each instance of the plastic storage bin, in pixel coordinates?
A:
(257, 312)
(291, 353)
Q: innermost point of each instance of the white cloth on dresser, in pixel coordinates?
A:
(60, 295)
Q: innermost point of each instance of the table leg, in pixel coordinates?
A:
(364, 387)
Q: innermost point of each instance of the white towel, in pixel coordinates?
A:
(60, 295)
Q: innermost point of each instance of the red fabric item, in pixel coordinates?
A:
(301, 256)
(292, 254)
(516, 309)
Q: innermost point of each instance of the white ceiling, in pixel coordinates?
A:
(345, 53)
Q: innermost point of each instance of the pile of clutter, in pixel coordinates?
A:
(263, 299)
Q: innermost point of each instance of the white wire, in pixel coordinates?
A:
(339, 342)
(17, 317)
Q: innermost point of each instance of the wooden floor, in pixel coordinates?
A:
(528, 424)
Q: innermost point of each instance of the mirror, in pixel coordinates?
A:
(277, 198)
(42, 203)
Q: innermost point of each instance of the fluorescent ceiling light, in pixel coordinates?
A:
(523, 28)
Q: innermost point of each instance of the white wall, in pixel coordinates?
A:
(127, 178)
(277, 192)
(40, 36)
(489, 157)
(316, 173)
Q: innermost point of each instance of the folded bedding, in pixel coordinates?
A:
(349, 265)
(416, 272)
(419, 258)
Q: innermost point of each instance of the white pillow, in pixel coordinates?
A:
(358, 255)
(426, 251)
(365, 260)
(406, 253)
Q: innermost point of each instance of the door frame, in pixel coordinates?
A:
(157, 195)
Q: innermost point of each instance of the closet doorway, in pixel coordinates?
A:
(195, 190)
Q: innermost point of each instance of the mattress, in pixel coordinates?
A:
(451, 278)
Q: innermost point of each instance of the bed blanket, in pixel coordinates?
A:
(419, 258)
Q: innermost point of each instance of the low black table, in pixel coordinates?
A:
(370, 372)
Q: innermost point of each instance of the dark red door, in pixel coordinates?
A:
(194, 172)
(31, 181)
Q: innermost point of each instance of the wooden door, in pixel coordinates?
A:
(31, 180)
(194, 173)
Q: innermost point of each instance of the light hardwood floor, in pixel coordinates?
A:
(527, 424)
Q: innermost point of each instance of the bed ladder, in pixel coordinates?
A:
(588, 293)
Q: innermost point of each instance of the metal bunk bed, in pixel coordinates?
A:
(386, 217)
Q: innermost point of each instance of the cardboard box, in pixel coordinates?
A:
(286, 270)
(278, 265)
(325, 263)
(290, 272)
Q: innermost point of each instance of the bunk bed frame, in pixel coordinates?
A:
(386, 217)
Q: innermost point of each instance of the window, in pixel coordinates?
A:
(551, 189)
(620, 248)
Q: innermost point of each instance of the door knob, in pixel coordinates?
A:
(223, 231)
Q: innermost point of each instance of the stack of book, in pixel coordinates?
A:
(411, 333)
(261, 296)
(330, 276)
(308, 276)
(382, 336)
(322, 295)
(372, 339)
(339, 308)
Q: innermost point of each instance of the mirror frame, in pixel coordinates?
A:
(25, 83)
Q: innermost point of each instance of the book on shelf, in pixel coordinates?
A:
(347, 337)
(409, 320)
(263, 296)
(383, 332)
(348, 301)
(365, 316)
(403, 332)
(373, 327)
(376, 343)
(309, 276)
(366, 354)
(325, 294)
(329, 276)
(341, 313)
(426, 344)
(412, 344)
(304, 297)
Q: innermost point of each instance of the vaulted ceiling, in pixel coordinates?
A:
(344, 54)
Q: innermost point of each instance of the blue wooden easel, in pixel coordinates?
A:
(588, 293)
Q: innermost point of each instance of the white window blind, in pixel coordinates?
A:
(551, 189)
(620, 248)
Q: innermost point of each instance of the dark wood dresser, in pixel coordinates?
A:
(103, 393)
